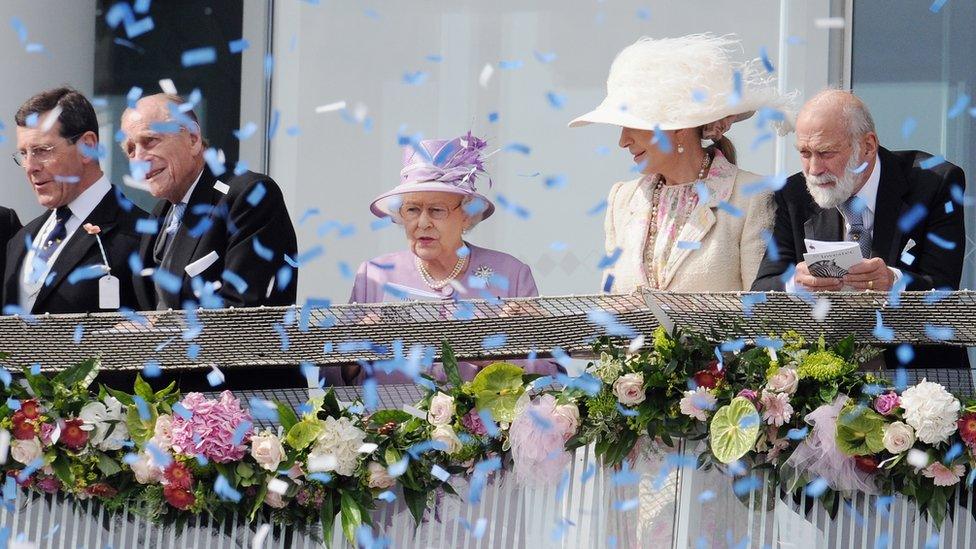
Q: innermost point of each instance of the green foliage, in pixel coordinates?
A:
(497, 388)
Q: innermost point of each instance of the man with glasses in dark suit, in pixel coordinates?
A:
(74, 258)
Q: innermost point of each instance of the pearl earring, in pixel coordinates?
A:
(681, 149)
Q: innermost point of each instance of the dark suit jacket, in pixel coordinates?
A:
(120, 239)
(904, 183)
(9, 225)
(228, 224)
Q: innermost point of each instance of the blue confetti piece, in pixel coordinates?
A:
(941, 242)
(234, 280)
(147, 226)
(626, 412)
(510, 65)
(699, 95)
(215, 377)
(544, 57)
(381, 223)
(767, 64)
(908, 127)
(199, 56)
(949, 208)
(493, 117)
(937, 5)
(935, 296)
(557, 181)
(398, 468)
(142, 407)
(608, 284)
(751, 300)
(733, 345)
(931, 162)
(600, 206)
(661, 140)
(79, 332)
(87, 272)
(263, 252)
(140, 27)
(644, 14)
(939, 333)
(13, 403)
(912, 217)
(489, 422)
(736, 96)
(952, 453)
(494, 341)
(141, 6)
(239, 45)
(959, 107)
(816, 487)
(193, 351)
(706, 496)
(434, 58)
(769, 343)
(256, 195)
(151, 369)
(626, 505)
(517, 147)
(588, 473)
(860, 169)
(933, 541)
(414, 78)
(242, 429)
(386, 496)
(30, 469)
(798, 434)
(905, 353)
(772, 249)
(730, 209)
(609, 260)
(224, 490)
(556, 100)
(688, 245)
(273, 126)
(880, 331)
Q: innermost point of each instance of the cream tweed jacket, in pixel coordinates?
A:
(731, 236)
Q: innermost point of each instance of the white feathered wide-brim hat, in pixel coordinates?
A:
(685, 82)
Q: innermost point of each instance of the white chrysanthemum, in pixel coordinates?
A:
(931, 411)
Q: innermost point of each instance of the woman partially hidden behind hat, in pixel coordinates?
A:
(668, 95)
(435, 202)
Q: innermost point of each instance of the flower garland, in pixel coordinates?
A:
(805, 412)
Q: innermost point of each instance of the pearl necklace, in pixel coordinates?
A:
(438, 284)
(656, 200)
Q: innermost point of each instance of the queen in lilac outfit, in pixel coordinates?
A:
(436, 202)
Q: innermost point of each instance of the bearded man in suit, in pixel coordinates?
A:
(900, 207)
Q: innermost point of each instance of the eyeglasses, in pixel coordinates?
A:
(42, 154)
(410, 212)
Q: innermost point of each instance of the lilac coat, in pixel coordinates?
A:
(394, 277)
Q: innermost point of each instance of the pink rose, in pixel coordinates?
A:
(629, 389)
(885, 404)
(441, 410)
(267, 451)
(785, 381)
(379, 477)
(274, 499)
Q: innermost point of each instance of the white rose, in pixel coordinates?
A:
(267, 451)
(26, 451)
(567, 415)
(145, 470)
(444, 434)
(785, 381)
(931, 411)
(441, 409)
(162, 432)
(898, 437)
(379, 477)
(629, 389)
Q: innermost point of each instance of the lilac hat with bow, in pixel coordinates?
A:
(439, 165)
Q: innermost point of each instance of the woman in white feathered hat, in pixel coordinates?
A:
(669, 95)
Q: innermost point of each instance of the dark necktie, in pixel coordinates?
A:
(57, 234)
(853, 210)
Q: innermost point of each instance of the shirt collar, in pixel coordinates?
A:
(189, 192)
(83, 205)
(869, 192)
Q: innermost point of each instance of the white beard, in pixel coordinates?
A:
(831, 197)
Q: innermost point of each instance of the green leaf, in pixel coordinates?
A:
(39, 384)
(78, 373)
(228, 472)
(62, 468)
(303, 433)
(258, 500)
(244, 470)
(450, 364)
(938, 505)
(383, 417)
(327, 516)
(123, 397)
(352, 516)
(143, 389)
(860, 431)
(107, 465)
(141, 431)
(165, 391)
(845, 347)
(330, 405)
(497, 388)
(416, 501)
(286, 416)
(391, 455)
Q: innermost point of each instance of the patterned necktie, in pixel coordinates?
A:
(57, 234)
(853, 211)
(164, 239)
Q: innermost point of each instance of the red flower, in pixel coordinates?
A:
(706, 379)
(868, 464)
(72, 434)
(24, 428)
(178, 475)
(49, 484)
(30, 408)
(101, 490)
(967, 429)
(181, 499)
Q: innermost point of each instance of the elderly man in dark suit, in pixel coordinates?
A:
(900, 206)
(224, 239)
(74, 258)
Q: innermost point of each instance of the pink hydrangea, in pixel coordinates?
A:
(538, 437)
(885, 404)
(472, 422)
(210, 429)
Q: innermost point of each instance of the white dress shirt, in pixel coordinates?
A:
(33, 276)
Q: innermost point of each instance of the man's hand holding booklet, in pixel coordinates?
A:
(831, 259)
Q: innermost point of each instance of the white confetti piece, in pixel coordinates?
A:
(829, 23)
(331, 107)
(485, 75)
(260, 536)
(917, 458)
(636, 344)
(326, 462)
(215, 377)
(367, 448)
(167, 85)
(4, 445)
(419, 414)
(440, 473)
(820, 309)
(277, 486)
(221, 187)
(50, 118)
